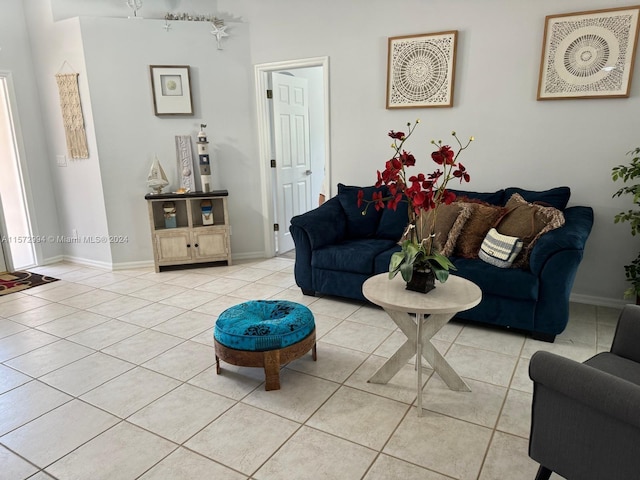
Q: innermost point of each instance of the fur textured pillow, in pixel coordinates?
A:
(528, 222)
(449, 223)
(482, 219)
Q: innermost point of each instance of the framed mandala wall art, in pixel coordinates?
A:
(588, 54)
(421, 70)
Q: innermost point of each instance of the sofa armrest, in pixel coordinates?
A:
(324, 225)
(626, 342)
(571, 236)
(598, 390)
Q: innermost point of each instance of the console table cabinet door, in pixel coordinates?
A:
(173, 246)
(211, 243)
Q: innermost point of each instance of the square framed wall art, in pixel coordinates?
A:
(171, 86)
(421, 70)
(588, 54)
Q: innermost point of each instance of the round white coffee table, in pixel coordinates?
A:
(433, 310)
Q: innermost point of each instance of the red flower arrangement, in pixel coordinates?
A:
(422, 193)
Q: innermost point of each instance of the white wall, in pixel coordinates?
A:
(118, 54)
(15, 58)
(79, 189)
(519, 141)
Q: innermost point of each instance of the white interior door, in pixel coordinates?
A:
(292, 152)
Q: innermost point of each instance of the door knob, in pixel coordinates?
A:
(308, 172)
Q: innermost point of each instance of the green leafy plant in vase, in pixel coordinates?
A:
(629, 173)
(419, 256)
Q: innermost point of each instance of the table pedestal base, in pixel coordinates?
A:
(419, 334)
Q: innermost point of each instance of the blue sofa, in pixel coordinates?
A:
(338, 248)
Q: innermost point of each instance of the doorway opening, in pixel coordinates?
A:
(294, 149)
(16, 238)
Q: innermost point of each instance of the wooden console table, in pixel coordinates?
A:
(191, 241)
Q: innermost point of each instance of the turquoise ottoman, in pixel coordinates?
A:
(264, 333)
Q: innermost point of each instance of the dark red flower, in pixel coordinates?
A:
(396, 135)
(377, 199)
(360, 197)
(448, 197)
(461, 173)
(407, 159)
(393, 202)
(444, 155)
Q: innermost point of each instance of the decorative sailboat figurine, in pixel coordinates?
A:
(157, 179)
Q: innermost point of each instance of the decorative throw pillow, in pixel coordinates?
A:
(499, 250)
(529, 222)
(482, 218)
(557, 197)
(359, 225)
(449, 223)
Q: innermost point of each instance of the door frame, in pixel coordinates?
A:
(25, 184)
(262, 73)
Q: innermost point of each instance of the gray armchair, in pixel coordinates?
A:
(585, 419)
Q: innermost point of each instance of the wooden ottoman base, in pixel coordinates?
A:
(270, 360)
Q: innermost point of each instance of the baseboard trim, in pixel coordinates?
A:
(86, 262)
(599, 301)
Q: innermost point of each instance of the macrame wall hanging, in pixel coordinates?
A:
(72, 115)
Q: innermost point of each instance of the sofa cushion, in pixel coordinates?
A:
(393, 222)
(359, 225)
(494, 198)
(482, 218)
(450, 221)
(528, 222)
(382, 260)
(556, 197)
(357, 256)
(504, 282)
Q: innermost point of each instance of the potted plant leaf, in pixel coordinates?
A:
(628, 173)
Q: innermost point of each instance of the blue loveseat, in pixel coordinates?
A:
(338, 248)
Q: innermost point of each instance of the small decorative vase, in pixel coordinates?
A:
(422, 281)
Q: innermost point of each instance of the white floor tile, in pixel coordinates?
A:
(48, 358)
(86, 374)
(151, 315)
(143, 346)
(10, 378)
(357, 336)
(23, 342)
(183, 464)
(131, 391)
(105, 334)
(187, 325)
(183, 361)
(40, 441)
(73, 323)
(440, 443)
(250, 436)
(41, 315)
(124, 451)
(334, 363)
(481, 405)
(8, 327)
(361, 417)
(386, 468)
(310, 452)
(14, 467)
(169, 418)
(483, 365)
(300, 395)
(26, 402)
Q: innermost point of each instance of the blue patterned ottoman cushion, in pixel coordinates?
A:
(261, 325)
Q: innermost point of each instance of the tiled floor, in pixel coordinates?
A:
(109, 375)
